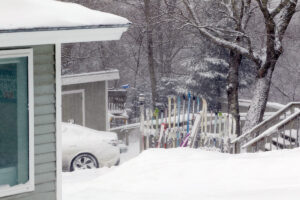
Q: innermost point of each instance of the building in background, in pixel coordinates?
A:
(85, 99)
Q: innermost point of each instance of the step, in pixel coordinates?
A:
(271, 147)
(283, 143)
(293, 134)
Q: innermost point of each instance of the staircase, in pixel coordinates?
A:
(280, 131)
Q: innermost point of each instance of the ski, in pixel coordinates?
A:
(220, 123)
(162, 130)
(215, 122)
(166, 127)
(185, 141)
(142, 128)
(183, 119)
(156, 114)
(169, 111)
(152, 136)
(146, 139)
(211, 122)
(178, 122)
(173, 140)
(204, 110)
(188, 114)
(168, 132)
(198, 104)
(192, 139)
(193, 116)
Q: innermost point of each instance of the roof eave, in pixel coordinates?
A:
(42, 36)
(90, 77)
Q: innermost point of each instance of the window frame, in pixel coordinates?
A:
(30, 185)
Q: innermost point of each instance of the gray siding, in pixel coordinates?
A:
(45, 138)
(95, 104)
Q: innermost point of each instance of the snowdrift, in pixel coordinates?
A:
(189, 174)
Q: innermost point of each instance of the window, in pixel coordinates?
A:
(16, 122)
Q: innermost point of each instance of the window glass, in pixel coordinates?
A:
(14, 122)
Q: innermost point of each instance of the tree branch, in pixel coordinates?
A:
(277, 10)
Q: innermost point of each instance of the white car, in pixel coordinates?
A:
(85, 148)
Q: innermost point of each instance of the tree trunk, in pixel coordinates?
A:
(259, 101)
(151, 61)
(233, 89)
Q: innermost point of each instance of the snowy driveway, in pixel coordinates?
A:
(187, 174)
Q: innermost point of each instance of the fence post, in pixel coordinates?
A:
(142, 101)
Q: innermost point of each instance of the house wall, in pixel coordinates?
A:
(95, 104)
(45, 126)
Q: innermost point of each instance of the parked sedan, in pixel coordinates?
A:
(84, 148)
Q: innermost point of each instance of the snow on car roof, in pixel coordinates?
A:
(70, 130)
(47, 14)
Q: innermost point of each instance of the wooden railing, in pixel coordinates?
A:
(256, 131)
(284, 135)
(116, 108)
(116, 101)
(217, 134)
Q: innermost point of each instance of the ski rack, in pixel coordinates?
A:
(175, 126)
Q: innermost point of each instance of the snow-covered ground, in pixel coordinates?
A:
(132, 152)
(189, 174)
(133, 147)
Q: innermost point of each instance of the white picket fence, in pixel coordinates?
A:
(214, 131)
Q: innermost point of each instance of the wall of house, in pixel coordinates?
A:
(45, 126)
(95, 104)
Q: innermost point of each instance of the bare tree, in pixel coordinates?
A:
(277, 17)
(150, 48)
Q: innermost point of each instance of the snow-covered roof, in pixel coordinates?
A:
(90, 77)
(36, 22)
(46, 14)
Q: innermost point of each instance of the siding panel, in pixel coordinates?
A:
(44, 168)
(45, 148)
(45, 127)
(48, 100)
(44, 89)
(44, 59)
(45, 158)
(44, 79)
(45, 177)
(44, 69)
(43, 49)
(45, 138)
(44, 109)
(44, 119)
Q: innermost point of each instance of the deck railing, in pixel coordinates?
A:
(284, 135)
(259, 129)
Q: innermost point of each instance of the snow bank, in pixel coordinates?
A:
(188, 174)
(26, 14)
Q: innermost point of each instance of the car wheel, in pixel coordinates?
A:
(84, 161)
